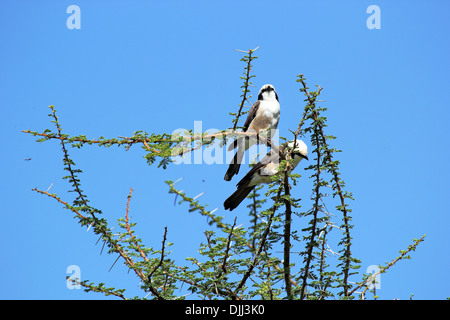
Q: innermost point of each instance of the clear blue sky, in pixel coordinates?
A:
(161, 65)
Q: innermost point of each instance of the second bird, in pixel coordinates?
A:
(264, 170)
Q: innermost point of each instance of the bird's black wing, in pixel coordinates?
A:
(251, 114)
(270, 157)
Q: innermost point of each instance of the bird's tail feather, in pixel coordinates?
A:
(234, 165)
(237, 197)
(233, 145)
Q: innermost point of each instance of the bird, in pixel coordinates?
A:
(264, 114)
(263, 171)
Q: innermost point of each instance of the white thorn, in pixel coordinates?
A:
(197, 196)
(50, 186)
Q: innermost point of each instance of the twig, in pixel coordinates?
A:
(131, 141)
(260, 247)
(309, 256)
(246, 84)
(61, 201)
(149, 278)
(227, 250)
(287, 235)
(127, 226)
(105, 235)
(68, 162)
(101, 288)
(336, 186)
(390, 264)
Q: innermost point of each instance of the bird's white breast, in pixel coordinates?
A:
(270, 109)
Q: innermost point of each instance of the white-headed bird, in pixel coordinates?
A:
(263, 115)
(263, 171)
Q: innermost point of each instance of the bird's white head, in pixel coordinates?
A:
(267, 92)
(300, 150)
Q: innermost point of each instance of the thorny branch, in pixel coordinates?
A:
(227, 250)
(248, 68)
(68, 162)
(287, 235)
(309, 255)
(337, 186)
(403, 255)
(127, 225)
(149, 278)
(260, 247)
(129, 141)
(104, 232)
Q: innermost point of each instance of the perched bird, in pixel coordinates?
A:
(263, 115)
(263, 171)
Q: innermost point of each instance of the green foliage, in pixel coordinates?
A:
(289, 250)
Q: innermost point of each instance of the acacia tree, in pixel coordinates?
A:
(236, 262)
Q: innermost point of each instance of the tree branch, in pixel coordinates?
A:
(287, 234)
(260, 247)
(402, 256)
(127, 226)
(149, 278)
(247, 82)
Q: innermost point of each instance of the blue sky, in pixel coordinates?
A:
(161, 65)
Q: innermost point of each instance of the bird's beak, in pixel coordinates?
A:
(306, 157)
